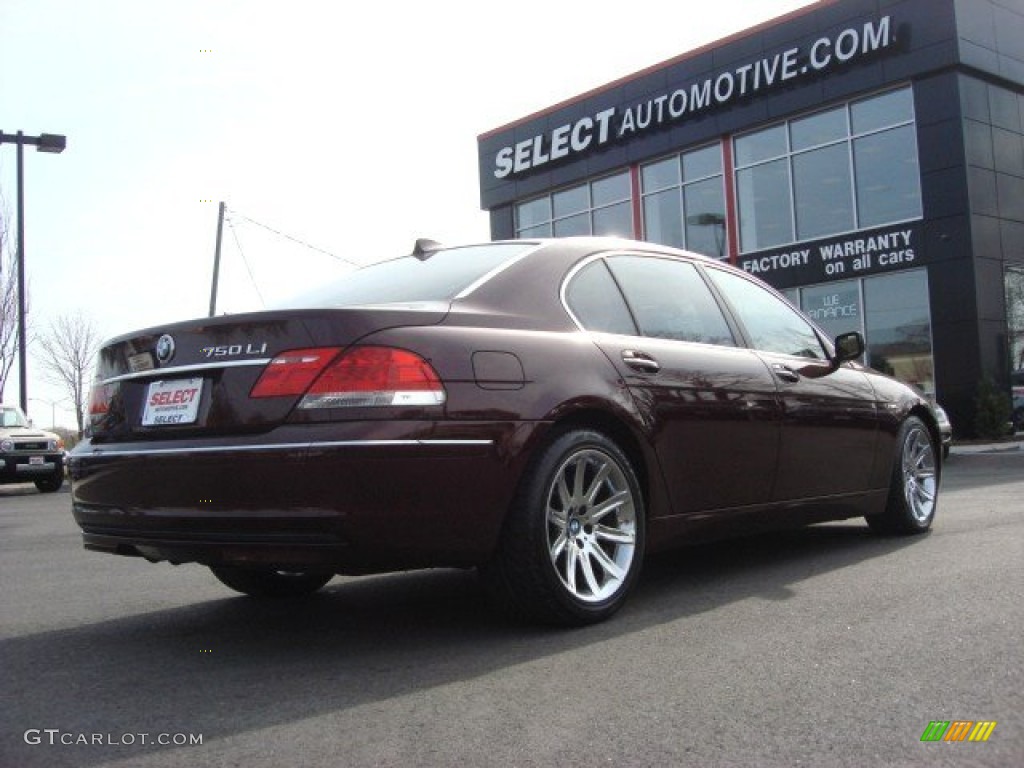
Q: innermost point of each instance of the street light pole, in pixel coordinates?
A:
(44, 142)
(22, 367)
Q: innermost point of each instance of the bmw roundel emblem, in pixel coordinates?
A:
(165, 348)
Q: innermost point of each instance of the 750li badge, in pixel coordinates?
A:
(232, 350)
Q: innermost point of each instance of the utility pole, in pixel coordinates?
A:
(216, 260)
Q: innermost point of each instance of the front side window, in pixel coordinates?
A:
(670, 300)
(599, 207)
(772, 324)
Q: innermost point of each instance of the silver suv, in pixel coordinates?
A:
(28, 454)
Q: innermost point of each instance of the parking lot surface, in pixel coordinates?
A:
(823, 646)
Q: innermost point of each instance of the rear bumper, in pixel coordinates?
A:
(352, 498)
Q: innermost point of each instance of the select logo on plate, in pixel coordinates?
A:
(172, 402)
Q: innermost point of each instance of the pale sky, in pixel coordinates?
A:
(351, 130)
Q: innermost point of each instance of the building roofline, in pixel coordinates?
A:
(660, 65)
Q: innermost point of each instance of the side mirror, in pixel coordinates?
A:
(849, 346)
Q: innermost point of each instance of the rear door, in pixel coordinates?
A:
(712, 405)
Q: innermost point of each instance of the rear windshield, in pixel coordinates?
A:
(408, 280)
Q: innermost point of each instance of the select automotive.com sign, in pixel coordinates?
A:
(616, 124)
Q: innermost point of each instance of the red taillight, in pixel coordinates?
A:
(100, 396)
(291, 373)
(99, 399)
(375, 376)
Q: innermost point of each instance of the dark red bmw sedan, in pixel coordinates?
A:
(547, 411)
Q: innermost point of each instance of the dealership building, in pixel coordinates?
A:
(865, 157)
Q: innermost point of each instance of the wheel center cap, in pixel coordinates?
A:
(574, 527)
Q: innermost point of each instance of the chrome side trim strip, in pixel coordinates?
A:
(161, 373)
(100, 452)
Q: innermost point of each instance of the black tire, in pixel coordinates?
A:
(50, 484)
(268, 582)
(913, 493)
(573, 544)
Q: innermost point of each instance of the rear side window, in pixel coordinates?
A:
(595, 300)
(670, 300)
(773, 325)
(408, 280)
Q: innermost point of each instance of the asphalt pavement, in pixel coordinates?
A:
(823, 646)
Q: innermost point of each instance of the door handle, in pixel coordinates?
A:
(785, 373)
(640, 361)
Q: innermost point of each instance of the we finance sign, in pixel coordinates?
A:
(862, 253)
(624, 122)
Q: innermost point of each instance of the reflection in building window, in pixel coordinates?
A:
(599, 207)
(893, 313)
(684, 201)
(898, 325)
(1015, 315)
(765, 205)
(846, 168)
(835, 307)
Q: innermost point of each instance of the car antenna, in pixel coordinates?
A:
(424, 248)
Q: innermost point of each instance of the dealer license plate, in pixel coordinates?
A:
(171, 402)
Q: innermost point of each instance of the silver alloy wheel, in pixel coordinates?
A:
(591, 525)
(919, 474)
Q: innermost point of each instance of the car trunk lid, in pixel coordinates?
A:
(196, 378)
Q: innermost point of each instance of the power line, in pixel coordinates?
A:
(294, 239)
(245, 261)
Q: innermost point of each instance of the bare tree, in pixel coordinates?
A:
(70, 347)
(8, 297)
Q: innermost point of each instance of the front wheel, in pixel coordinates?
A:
(268, 582)
(50, 484)
(914, 489)
(573, 544)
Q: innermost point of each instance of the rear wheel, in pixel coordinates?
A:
(915, 483)
(50, 484)
(573, 545)
(267, 582)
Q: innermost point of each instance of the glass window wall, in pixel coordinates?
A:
(599, 207)
(684, 201)
(846, 168)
